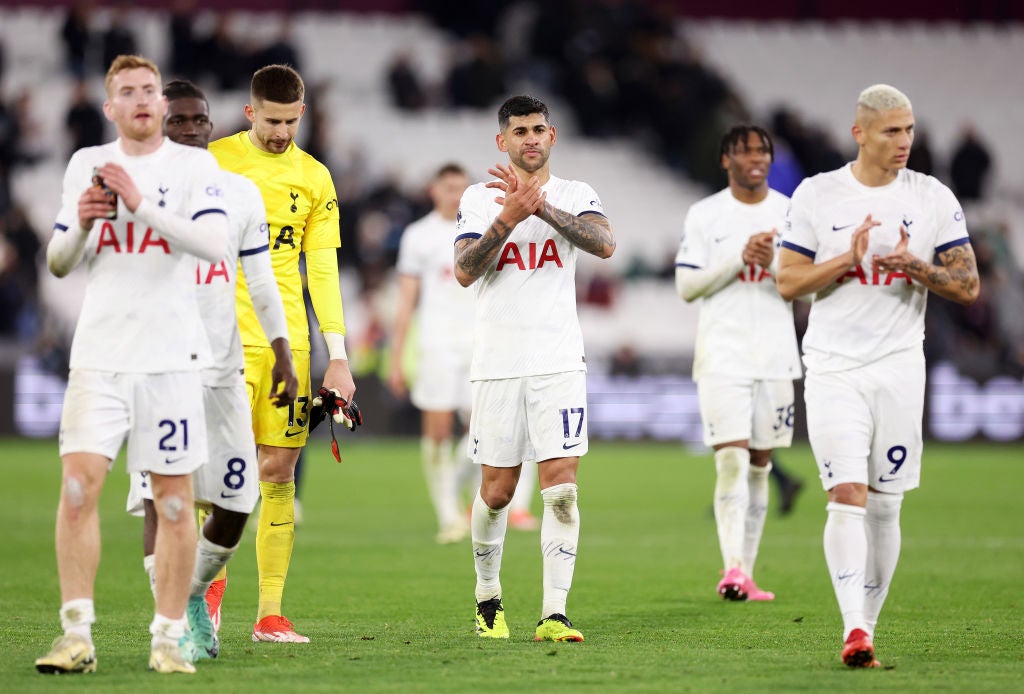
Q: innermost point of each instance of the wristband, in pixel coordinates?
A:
(335, 346)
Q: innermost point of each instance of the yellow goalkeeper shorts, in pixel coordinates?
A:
(285, 427)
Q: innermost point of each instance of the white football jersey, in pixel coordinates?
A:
(864, 315)
(526, 322)
(745, 329)
(248, 234)
(445, 306)
(140, 313)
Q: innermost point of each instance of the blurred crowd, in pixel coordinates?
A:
(619, 65)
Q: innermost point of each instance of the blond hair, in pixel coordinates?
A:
(130, 62)
(882, 97)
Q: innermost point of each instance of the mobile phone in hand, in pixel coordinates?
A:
(97, 180)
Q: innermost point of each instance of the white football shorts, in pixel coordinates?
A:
(744, 409)
(442, 381)
(864, 424)
(231, 478)
(160, 414)
(529, 419)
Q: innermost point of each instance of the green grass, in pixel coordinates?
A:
(389, 610)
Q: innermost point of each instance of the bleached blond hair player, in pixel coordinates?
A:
(137, 350)
(861, 240)
(518, 248)
(746, 355)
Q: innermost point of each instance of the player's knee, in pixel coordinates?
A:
(849, 493)
(74, 492)
(496, 496)
(731, 464)
(171, 508)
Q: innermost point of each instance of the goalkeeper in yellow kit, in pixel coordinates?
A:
(302, 212)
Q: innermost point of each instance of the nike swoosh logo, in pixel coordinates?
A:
(566, 446)
(883, 478)
(172, 461)
(276, 525)
(720, 239)
(845, 226)
(230, 496)
(289, 434)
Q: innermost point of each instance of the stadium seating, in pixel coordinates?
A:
(953, 74)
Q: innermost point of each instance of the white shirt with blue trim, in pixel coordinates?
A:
(864, 316)
(140, 313)
(526, 321)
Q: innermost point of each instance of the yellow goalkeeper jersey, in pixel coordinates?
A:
(302, 213)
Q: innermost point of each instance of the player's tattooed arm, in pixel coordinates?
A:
(474, 256)
(591, 233)
(955, 279)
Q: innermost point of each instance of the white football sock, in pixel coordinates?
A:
(524, 488)
(167, 630)
(149, 564)
(488, 528)
(732, 497)
(439, 472)
(884, 539)
(846, 554)
(559, 535)
(757, 509)
(77, 617)
(210, 559)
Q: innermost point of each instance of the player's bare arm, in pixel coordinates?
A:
(799, 275)
(591, 233)
(955, 278)
(473, 256)
(519, 201)
(285, 384)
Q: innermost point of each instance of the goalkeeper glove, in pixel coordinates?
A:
(329, 402)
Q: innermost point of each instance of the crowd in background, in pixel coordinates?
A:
(619, 67)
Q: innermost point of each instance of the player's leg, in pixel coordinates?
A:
(439, 471)
(519, 515)
(895, 469)
(726, 407)
(488, 524)
(275, 540)
(772, 428)
(757, 510)
(169, 440)
(140, 503)
(840, 428)
(559, 539)
(174, 551)
(300, 468)
(228, 487)
(789, 485)
(94, 422)
(556, 407)
(78, 555)
(500, 443)
(280, 433)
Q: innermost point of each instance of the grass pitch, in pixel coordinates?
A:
(389, 610)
